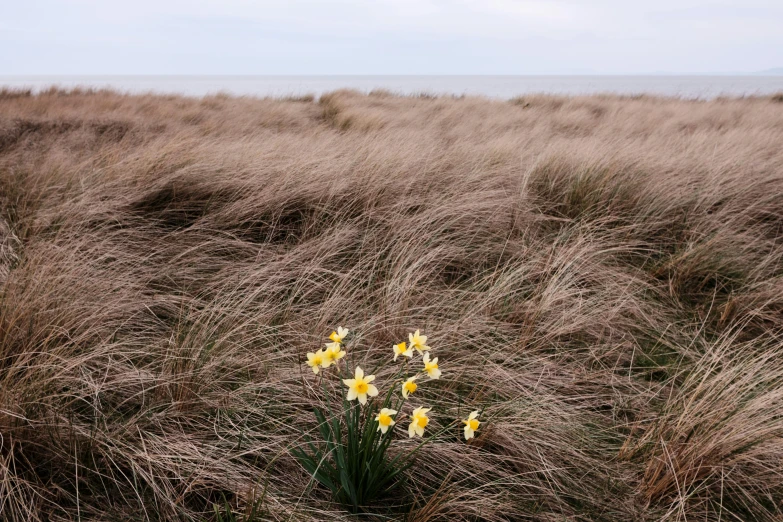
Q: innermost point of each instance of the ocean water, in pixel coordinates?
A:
(702, 87)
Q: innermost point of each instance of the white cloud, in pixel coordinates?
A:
(393, 36)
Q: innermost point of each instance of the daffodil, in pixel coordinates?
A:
(315, 360)
(359, 387)
(339, 335)
(332, 354)
(384, 419)
(471, 425)
(418, 341)
(419, 421)
(431, 367)
(401, 349)
(409, 386)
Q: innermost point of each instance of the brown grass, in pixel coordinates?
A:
(604, 274)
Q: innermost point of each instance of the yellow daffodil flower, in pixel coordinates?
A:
(418, 341)
(409, 386)
(471, 425)
(384, 419)
(314, 360)
(359, 387)
(339, 335)
(401, 349)
(332, 354)
(419, 421)
(431, 367)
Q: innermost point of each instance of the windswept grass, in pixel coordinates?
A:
(604, 274)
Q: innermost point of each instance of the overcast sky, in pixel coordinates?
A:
(389, 36)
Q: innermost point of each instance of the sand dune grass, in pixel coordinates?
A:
(603, 274)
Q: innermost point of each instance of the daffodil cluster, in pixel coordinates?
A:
(361, 389)
(352, 462)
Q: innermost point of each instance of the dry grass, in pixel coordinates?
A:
(604, 274)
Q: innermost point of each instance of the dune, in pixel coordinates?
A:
(601, 275)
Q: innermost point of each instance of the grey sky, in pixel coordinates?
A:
(389, 36)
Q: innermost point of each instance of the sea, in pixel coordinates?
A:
(502, 87)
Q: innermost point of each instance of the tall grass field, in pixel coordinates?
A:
(601, 277)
